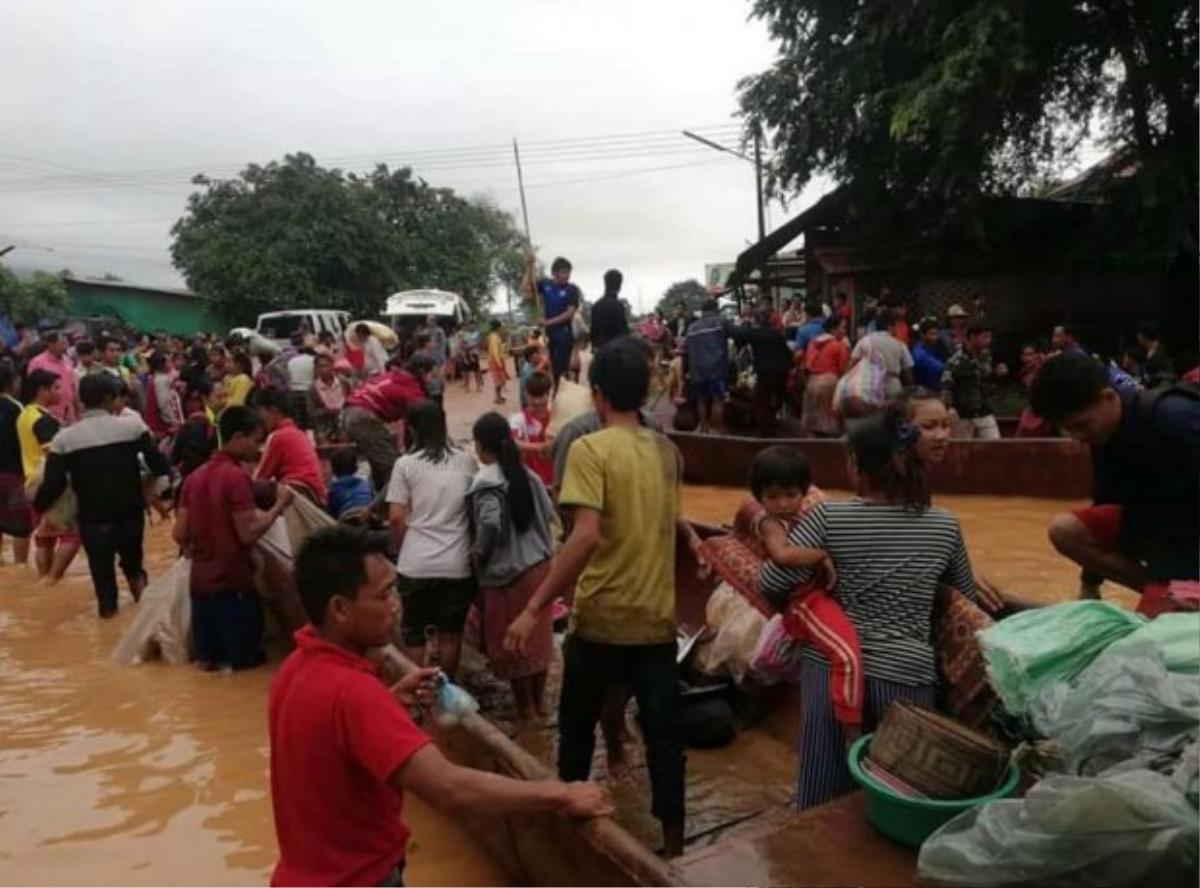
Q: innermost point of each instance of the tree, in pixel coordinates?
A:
(691, 294)
(923, 107)
(43, 297)
(293, 233)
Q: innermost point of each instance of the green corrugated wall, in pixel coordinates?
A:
(142, 308)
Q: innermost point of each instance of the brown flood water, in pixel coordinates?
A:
(152, 775)
(158, 775)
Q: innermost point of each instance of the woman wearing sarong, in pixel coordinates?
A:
(512, 542)
(825, 360)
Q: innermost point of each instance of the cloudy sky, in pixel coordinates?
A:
(110, 108)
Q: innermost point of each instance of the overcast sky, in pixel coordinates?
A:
(110, 107)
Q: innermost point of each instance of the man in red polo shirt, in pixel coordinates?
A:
(290, 456)
(216, 523)
(344, 749)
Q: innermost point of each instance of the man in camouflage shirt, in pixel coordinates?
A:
(964, 386)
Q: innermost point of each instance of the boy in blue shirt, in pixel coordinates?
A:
(560, 300)
(928, 365)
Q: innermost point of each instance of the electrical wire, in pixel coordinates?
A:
(619, 146)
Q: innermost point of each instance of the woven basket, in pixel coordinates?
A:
(936, 755)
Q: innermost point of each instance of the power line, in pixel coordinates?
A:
(580, 149)
(604, 176)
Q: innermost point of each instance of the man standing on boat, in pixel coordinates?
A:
(708, 364)
(622, 485)
(560, 300)
(344, 749)
(965, 381)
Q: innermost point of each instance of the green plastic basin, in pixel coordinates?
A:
(911, 821)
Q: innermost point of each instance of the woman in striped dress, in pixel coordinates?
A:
(891, 550)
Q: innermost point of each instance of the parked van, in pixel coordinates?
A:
(278, 326)
(448, 308)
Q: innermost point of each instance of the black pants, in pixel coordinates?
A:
(560, 356)
(590, 671)
(104, 543)
(227, 628)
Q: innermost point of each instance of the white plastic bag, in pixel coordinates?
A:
(452, 703)
(777, 656)
(161, 627)
(1131, 828)
(1125, 705)
(737, 628)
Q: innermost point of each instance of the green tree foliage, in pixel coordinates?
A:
(924, 106)
(691, 294)
(292, 233)
(42, 297)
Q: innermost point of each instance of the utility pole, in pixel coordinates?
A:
(525, 218)
(521, 188)
(758, 185)
(756, 160)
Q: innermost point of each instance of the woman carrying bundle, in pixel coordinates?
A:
(891, 549)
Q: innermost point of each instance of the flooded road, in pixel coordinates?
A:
(158, 775)
(145, 775)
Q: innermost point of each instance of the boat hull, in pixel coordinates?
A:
(1037, 467)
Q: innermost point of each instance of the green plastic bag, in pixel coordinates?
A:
(1177, 636)
(1035, 648)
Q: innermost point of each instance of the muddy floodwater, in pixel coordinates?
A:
(158, 775)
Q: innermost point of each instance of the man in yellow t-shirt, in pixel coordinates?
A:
(622, 484)
(36, 425)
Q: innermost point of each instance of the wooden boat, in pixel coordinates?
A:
(1040, 467)
(742, 826)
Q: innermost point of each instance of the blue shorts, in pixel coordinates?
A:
(709, 388)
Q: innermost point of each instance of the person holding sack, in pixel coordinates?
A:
(862, 391)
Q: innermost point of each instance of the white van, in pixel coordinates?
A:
(420, 304)
(278, 326)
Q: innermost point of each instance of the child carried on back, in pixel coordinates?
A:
(350, 495)
(780, 478)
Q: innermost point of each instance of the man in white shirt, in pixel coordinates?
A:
(301, 372)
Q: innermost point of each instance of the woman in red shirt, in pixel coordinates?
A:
(825, 361)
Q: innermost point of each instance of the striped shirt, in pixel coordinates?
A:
(890, 561)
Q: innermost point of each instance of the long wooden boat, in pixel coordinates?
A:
(1038, 467)
(742, 826)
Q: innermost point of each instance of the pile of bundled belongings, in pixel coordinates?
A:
(1116, 699)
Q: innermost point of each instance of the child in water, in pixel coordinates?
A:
(780, 478)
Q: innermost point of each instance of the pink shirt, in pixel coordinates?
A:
(66, 410)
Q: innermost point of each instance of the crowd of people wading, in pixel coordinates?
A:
(221, 436)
